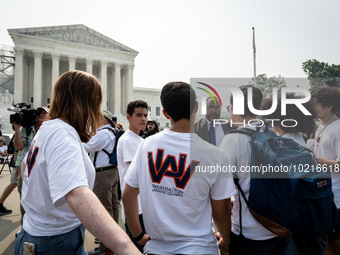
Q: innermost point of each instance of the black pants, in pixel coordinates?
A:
(239, 245)
(127, 230)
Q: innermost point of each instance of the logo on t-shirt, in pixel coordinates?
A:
(31, 157)
(171, 167)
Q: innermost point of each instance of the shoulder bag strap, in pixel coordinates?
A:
(236, 181)
(114, 148)
(95, 159)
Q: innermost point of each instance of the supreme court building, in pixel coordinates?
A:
(42, 54)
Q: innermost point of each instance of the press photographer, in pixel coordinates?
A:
(24, 115)
(26, 122)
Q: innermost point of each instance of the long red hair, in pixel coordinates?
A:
(77, 98)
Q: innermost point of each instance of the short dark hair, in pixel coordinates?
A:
(136, 104)
(306, 124)
(328, 96)
(178, 100)
(216, 99)
(257, 99)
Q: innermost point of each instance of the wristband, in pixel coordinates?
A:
(138, 238)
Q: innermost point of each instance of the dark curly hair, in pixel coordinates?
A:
(327, 96)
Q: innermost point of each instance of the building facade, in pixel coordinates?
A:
(42, 54)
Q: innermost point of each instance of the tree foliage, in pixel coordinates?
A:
(321, 73)
(266, 84)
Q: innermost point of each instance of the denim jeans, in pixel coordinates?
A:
(64, 244)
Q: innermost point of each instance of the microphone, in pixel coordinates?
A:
(13, 109)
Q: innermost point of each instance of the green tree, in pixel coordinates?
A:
(266, 84)
(320, 73)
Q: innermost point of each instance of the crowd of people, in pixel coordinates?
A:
(80, 164)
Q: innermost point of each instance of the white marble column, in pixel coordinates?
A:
(124, 102)
(117, 91)
(19, 73)
(72, 63)
(129, 83)
(55, 67)
(37, 79)
(26, 90)
(103, 79)
(89, 65)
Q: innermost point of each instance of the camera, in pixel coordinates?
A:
(24, 115)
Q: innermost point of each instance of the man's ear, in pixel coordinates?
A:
(128, 117)
(166, 115)
(196, 107)
(330, 107)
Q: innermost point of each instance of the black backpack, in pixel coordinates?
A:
(113, 154)
(298, 199)
(10, 147)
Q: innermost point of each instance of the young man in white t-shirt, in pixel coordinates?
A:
(326, 147)
(106, 182)
(178, 195)
(248, 236)
(136, 114)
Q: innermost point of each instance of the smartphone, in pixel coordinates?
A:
(28, 248)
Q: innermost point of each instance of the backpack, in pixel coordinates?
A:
(113, 154)
(297, 200)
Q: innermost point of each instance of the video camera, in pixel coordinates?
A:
(24, 115)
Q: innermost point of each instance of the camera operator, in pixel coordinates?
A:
(22, 141)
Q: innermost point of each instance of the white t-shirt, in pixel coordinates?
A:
(55, 164)
(327, 145)
(297, 137)
(177, 207)
(2, 149)
(236, 147)
(127, 146)
(103, 139)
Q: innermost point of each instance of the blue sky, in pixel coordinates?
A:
(182, 39)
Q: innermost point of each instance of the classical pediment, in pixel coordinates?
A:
(75, 34)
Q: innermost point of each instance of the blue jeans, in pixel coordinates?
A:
(64, 244)
(239, 245)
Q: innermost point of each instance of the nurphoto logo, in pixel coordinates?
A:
(221, 89)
